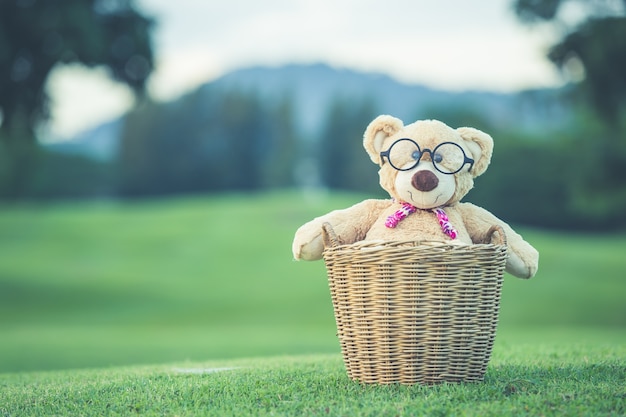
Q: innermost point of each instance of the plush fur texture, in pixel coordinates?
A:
(424, 187)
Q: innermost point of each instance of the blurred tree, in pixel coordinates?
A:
(69, 176)
(36, 36)
(537, 196)
(209, 140)
(592, 50)
(596, 45)
(342, 160)
(280, 146)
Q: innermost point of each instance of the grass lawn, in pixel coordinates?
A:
(135, 291)
(560, 379)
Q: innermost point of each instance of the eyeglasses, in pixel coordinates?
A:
(447, 157)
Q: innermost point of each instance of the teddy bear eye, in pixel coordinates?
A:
(438, 157)
(416, 155)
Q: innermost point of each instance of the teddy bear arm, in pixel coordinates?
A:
(350, 225)
(523, 259)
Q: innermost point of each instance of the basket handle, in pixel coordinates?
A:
(495, 235)
(329, 236)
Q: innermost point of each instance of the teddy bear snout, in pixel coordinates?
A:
(425, 181)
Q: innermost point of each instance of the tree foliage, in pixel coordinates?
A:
(596, 191)
(598, 43)
(35, 37)
(343, 162)
(206, 141)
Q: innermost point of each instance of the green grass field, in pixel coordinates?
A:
(530, 380)
(205, 282)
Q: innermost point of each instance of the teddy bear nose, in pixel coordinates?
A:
(424, 180)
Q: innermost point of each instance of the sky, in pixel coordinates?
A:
(449, 44)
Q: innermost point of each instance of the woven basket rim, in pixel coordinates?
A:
(410, 244)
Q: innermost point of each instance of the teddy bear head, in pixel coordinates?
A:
(426, 163)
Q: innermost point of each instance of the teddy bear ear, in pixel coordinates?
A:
(378, 130)
(480, 145)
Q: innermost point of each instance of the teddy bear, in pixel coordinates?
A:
(426, 167)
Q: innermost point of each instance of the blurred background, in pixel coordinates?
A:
(156, 158)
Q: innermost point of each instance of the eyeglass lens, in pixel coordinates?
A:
(448, 157)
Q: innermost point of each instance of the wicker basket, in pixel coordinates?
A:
(416, 312)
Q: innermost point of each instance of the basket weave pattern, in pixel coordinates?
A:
(415, 312)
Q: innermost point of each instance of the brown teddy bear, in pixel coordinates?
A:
(427, 167)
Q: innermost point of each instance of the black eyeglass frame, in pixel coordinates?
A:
(466, 160)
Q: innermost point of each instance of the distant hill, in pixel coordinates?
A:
(99, 143)
(313, 87)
